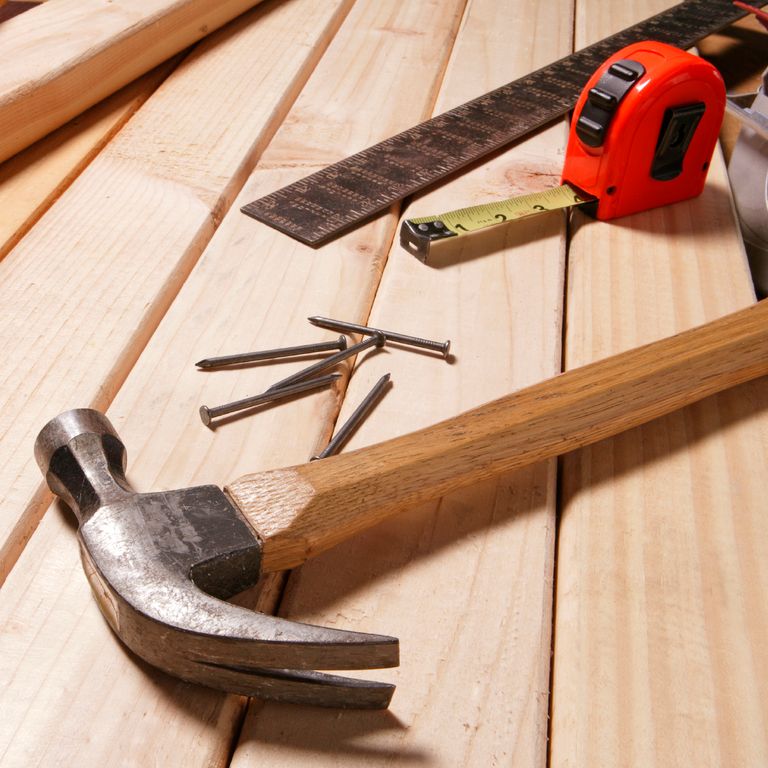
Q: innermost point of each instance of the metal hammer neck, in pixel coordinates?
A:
(83, 460)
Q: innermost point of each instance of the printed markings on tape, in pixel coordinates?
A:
(416, 235)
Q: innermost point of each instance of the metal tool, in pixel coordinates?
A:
(748, 170)
(161, 565)
(352, 423)
(207, 414)
(761, 16)
(377, 340)
(321, 206)
(442, 347)
(273, 354)
(642, 135)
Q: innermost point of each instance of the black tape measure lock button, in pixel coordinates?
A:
(604, 98)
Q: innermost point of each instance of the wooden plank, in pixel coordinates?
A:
(63, 57)
(83, 291)
(31, 181)
(661, 618)
(466, 582)
(253, 287)
(9, 10)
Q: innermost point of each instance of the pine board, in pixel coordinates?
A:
(661, 622)
(679, 679)
(61, 58)
(32, 180)
(466, 582)
(83, 291)
(250, 288)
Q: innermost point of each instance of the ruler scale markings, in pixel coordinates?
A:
(405, 163)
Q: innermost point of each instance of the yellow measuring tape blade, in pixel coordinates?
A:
(418, 233)
(476, 217)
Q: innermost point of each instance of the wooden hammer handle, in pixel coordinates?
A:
(306, 509)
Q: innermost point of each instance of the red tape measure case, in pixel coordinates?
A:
(644, 129)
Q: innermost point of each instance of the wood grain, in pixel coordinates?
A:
(465, 582)
(661, 622)
(33, 180)
(83, 291)
(63, 57)
(252, 288)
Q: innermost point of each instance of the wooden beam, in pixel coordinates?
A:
(33, 180)
(661, 617)
(465, 583)
(253, 287)
(66, 56)
(84, 290)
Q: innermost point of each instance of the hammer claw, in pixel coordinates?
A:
(248, 639)
(241, 651)
(294, 687)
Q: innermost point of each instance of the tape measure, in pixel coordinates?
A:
(326, 203)
(642, 136)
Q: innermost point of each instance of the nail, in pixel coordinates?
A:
(442, 347)
(207, 414)
(376, 340)
(273, 354)
(351, 424)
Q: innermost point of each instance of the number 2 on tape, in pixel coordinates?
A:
(642, 135)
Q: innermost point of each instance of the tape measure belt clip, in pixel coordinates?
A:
(677, 129)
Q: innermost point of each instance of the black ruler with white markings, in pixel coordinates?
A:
(319, 207)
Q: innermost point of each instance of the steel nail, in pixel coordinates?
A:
(273, 354)
(377, 340)
(443, 347)
(354, 420)
(207, 414)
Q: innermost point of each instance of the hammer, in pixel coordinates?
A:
(162, 565)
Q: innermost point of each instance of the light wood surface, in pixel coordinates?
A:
(63, 57)
(31, 181)
(465, 583)
(145, 265)
(236, 291)
(110, 256)
(661, 619)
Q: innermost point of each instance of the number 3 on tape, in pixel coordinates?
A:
(642, 135)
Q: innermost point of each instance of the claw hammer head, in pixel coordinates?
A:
(162, 565)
